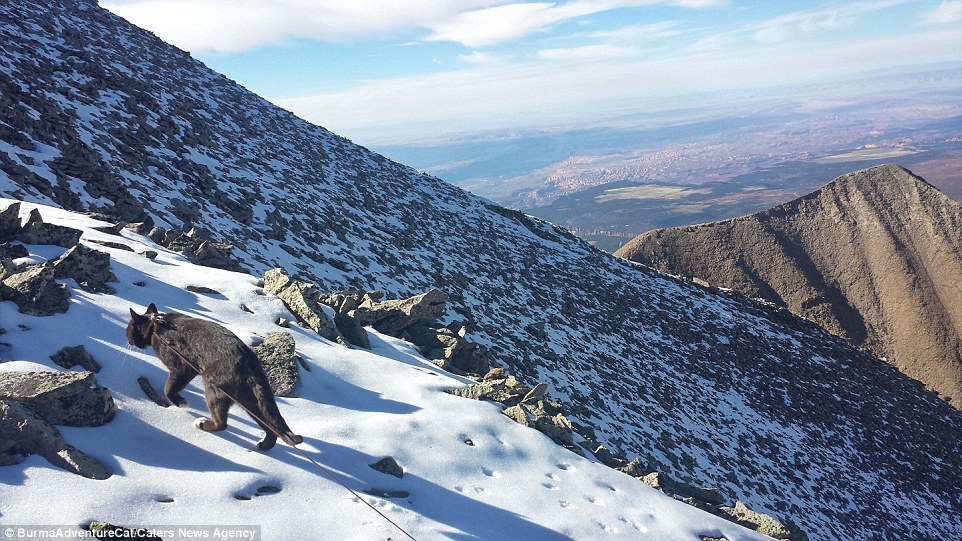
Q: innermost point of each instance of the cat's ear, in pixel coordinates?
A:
(133, 315)
(152, 309)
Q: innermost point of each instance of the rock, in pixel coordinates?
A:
(759, 522)
(36, 231)
(536, 394)
(636, 468)
(303, 299)
(149, 254)
(556, 427)
(518, 414)
(679, 490)
(62, 398)
(114, 245)
(393, 316)
(202, 289)
(10, 222)
(387, 494)
(352, 330)
(90, 268)
(9, 250)
(494, 373)
(70, 357)
(35, 291)
(278, 358)
(32, 434)
(389, 466)
(495, 391)
(282, 322)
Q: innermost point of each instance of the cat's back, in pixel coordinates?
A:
(207, 341)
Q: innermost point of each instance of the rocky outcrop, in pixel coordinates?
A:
(88, 267)
(31, 434)
(36, 231)
(279, 360)
(413, 319)
(70, 357)
(304, 301)
(388, 465)
(874, 257)
(35, 290)
(194, 245)
(61, 398)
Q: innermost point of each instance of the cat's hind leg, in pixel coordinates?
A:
(218, 403)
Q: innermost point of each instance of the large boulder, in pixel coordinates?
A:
(32, 434)
(393, 316)
(36, 231)
(89, 267)
(304, 301)
(279, 360)
(35, 291)
(62, 398)
(10, 222)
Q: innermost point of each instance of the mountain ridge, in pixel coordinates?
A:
(714, 390)
(874, 256)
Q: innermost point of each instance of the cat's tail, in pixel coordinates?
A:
(267, 405)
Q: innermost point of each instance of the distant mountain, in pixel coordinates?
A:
(712, 389)
(874, 257)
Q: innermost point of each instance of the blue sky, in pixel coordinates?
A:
(404, 71)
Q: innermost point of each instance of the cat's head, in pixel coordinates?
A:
(140, 327)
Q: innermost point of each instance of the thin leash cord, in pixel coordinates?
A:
(330, 475)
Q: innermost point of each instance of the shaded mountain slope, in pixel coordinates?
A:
(711, 389)
(874, 257)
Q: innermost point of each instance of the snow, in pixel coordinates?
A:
(471, 473)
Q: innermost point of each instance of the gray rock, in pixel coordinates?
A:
(203, 290)
(759, 522)
(9, 250)
(10, 222)
(70, 357)
(303, 300)
(89, 267)
(279, 360)
(62, 398)
(351, 329)
(389, 466)
(393, 316)
(36, 231)
(35, 291)
(32, 434)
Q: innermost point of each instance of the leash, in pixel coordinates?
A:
(329, 474)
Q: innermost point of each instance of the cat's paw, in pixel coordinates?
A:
(178, 401)
(201, 423)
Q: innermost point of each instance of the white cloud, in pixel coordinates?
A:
(586, 53)
(947, 12)
(531, 92)
(238, 25)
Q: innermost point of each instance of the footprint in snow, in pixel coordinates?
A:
(490, 473)
(591, 499)
(263, 490)
(549, 486)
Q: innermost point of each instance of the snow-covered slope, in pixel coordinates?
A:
(711, 389)
(353, 407)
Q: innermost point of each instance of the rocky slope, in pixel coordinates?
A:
(712, 390)
(874, 257)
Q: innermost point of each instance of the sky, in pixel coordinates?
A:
(416, 71)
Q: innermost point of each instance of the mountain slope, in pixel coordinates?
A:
(712, 390)
(874, 257)
(354, 406)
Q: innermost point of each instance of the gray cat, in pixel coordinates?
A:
(231, 371)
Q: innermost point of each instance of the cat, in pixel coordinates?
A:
(230, 370)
